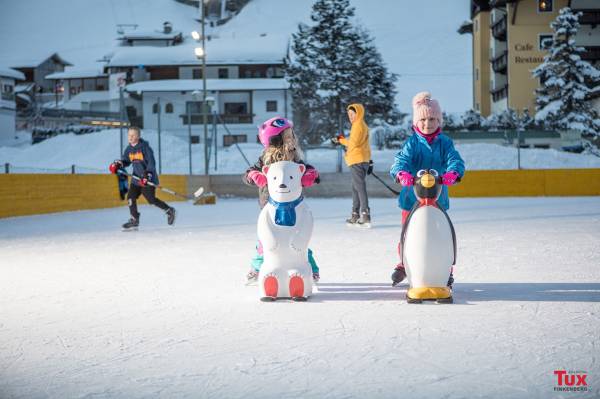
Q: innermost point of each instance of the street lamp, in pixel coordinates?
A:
(201, 55)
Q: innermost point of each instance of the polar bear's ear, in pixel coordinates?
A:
(265, 169)
(302, 168)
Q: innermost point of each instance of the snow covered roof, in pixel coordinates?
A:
(87, 97)
(77, 74)
(24, 87)
(267, 49)
(149, 35)
(178, 85)
(11, 73)
(31, 61)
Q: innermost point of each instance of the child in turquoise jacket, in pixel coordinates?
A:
(428, 148)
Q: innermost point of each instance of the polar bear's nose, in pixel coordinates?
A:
(282, 185)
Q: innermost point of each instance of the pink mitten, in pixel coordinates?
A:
(258, 178)
(449, 178)
(309, 177)
(405, 178)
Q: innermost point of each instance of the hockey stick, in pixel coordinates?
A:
(385, 184)
(196, 195)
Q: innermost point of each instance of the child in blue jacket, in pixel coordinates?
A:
(428, 148)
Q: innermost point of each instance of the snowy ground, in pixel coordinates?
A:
(57, 154)
(87, 311)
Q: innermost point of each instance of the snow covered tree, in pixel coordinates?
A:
(472, 120)
(566, 80)
(451, 123)
(334, 64)
(526, 122)
(302, 74)
(505, 120)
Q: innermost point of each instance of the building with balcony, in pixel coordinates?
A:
(8, 77)
(508, 38)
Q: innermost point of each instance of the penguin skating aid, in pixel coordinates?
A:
(428, 243)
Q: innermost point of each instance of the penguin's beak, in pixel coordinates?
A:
(427, 181)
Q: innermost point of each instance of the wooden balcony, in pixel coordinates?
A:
(589, 17)
(230, 119)
(499, 93)
(500, 62)
(499, 29)
(592, 53)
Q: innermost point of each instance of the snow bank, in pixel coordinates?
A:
(91, 153)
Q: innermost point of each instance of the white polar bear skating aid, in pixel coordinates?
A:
(285, 226)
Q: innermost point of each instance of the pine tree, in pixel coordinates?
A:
(562, 100)
(450, 122)
(335, 64)
(472, 120)
(526, 122)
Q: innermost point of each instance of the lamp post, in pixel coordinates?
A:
(201, 54)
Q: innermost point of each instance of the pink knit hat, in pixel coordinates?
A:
(424, 107)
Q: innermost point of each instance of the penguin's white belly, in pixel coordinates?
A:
(428, 248)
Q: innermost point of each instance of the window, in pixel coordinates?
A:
(196, 73)
(476, 25)
(545, 5)
(271, 106)
(194, 107)
(477, 106)
(545, 41)
(476, 73)
(223, 73)
(230, 139)
(155, 108)
(7, 93)
(169, 108)
(236, 108)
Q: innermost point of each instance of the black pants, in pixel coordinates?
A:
(149, 193)
(360, 199)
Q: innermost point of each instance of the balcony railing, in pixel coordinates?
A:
(8, 96)
(499, 63)
(589, 17)
(592, 53)
(499, 29)
(499, 93)
(232, 119)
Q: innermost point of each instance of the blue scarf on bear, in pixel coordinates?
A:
(285, 212)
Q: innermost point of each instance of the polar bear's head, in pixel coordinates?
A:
(284, 180)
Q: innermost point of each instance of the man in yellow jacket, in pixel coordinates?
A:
(358, 156)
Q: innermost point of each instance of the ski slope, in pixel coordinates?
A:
(87, 311)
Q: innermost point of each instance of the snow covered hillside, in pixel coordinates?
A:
(91, 153)
(418, 40)
(88, 311)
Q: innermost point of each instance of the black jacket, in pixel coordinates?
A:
(141, 157)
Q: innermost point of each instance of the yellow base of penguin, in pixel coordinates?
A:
(425, 293)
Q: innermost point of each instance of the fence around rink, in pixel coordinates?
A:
(29, 194)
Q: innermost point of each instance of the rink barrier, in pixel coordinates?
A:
(528, 183)
(477, 183)
(29, 194)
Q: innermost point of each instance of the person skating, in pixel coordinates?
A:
(358, 158)
(280, 144)
(427, 148)
(139, 154)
